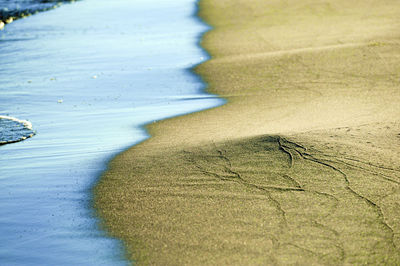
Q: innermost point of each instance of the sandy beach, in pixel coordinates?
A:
(301, 166)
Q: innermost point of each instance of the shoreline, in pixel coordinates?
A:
(301, 164)
(86, 76)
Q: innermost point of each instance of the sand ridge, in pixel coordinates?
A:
(299, 167)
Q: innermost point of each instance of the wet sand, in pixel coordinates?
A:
(300, 166)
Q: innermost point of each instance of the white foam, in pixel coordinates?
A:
(14, 132)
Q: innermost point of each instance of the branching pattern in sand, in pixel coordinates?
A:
(350, 222)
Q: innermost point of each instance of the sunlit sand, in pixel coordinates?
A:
(301, 166)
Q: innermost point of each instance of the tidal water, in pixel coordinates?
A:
(87, 76)
(13, 130)
(21, 8)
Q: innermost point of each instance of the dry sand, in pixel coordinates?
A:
(300, 167)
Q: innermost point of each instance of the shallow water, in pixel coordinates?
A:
(21, 8)
(13, 130)
(87, 76)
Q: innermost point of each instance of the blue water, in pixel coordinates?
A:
(14, 130)
(87, 76)
(21, 8)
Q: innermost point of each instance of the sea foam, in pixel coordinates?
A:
(13, 130)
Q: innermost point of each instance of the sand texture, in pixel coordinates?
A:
(301, 166)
